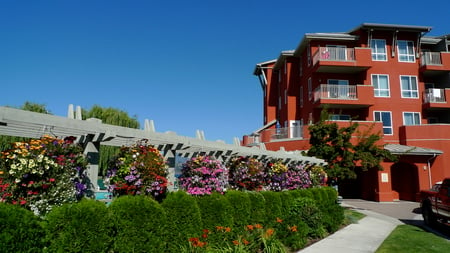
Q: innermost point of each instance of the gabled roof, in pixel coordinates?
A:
(398, 149)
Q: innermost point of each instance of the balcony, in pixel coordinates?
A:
(342, 60)
(275, 134)
(436, 98)
(344, 96)
(434, 62)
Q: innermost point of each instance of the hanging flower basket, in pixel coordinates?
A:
(139, 169)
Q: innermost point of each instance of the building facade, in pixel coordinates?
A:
(392, 79)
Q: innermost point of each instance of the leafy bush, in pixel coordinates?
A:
(203, 175)
(273, 207)
(138, 224)
(139, 169)
(257, 207)
(217, 218)
(240, 208)
(305, 210)
(40, 174)
(183, 220)
(20, 230)
(79, 227)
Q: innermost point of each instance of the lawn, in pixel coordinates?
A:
(410, 239)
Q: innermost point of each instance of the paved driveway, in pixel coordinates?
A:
(405, 211)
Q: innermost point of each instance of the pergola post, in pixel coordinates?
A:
(91, 150)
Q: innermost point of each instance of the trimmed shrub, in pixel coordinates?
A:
(306, 193)
(333, 212)
(138, 224)
(20, 230)
(215, 210)
(216, 213)
(257, 208)
(305, 210)
(240, 208)
(183, 220)
(286, 199)
(79, 227)
(273, 207)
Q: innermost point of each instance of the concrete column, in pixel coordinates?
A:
(91, 150)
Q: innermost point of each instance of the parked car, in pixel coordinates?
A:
(435, 203)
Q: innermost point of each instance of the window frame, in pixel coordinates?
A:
(375, 50)
(385, 127)
(378, 89)
(410, 57)
(414, 115)
(410, 90)
(310, 92)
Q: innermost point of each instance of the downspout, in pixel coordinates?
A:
(429, 170)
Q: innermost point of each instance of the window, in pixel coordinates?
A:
(378, 50)
(308, 54)
(338, 88)
(300, 63)
(409, 87)
(381, 85)
(339, 117)
(300, 99)
(406, 51)
(411, 118)
(335, 53)
(309, 88)
(386, 118)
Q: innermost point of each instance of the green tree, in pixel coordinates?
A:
(333, 144)
(111, 116)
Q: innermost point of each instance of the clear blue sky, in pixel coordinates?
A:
(187, 65)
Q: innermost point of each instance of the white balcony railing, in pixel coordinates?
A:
(334, 54)
(434, 96)
(335, 91)
(430, 58)
(282, 133)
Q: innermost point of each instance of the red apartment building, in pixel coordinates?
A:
(393, 78)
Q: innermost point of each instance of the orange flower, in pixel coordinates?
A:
(245, 242)
(219, 228)
(228, 229)
(236, 242)
(293, 228)
(269, 232)
(258, 226)
(250, 227)
(279, 220)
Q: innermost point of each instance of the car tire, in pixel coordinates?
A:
(428, 216)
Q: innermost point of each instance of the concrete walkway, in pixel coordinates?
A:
(370, 232)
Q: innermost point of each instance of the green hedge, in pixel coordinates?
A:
(80, 227)
(273, 207)
(141, 224)
(183, 220)
(240, 208)
(138, 224)
(20, 230)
